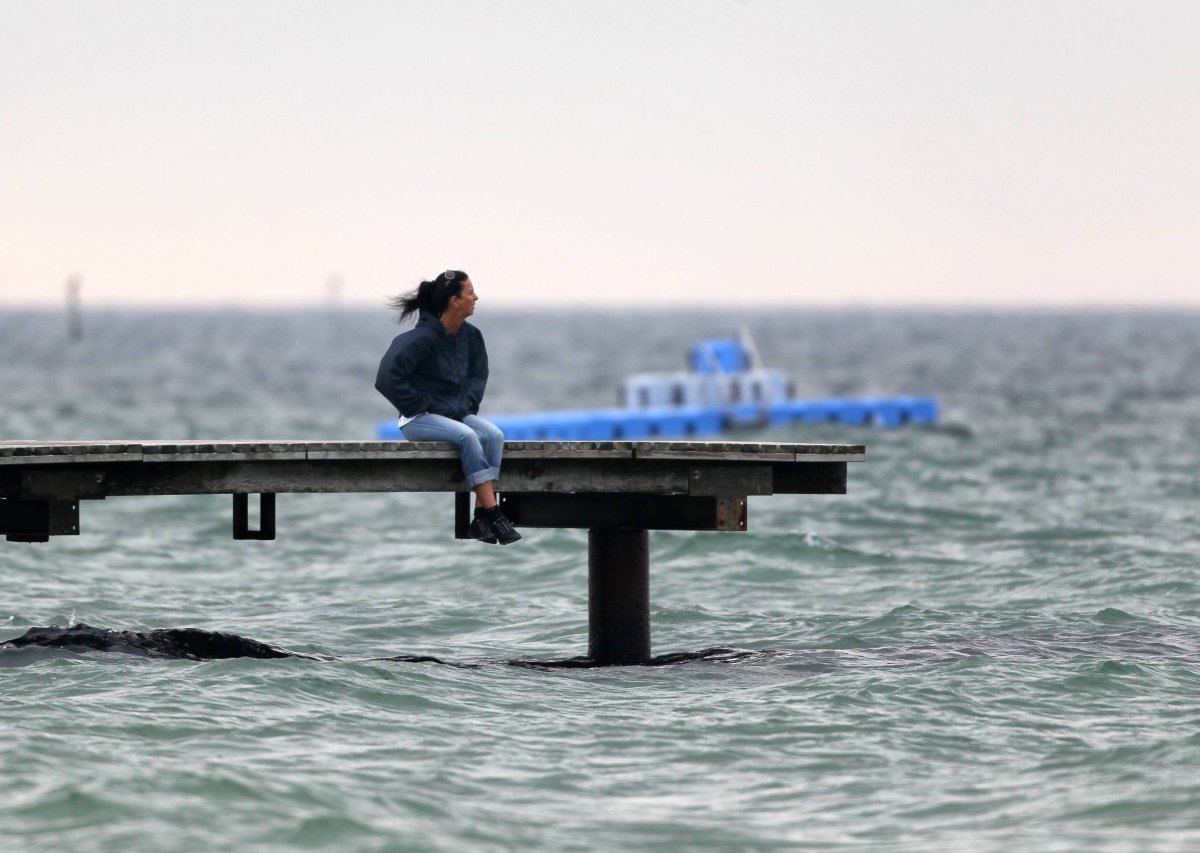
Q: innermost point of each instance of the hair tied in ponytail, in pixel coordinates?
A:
(432, 296)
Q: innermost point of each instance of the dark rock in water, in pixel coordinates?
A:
(425, 659)
(719, 654)
(181, 643)
(197, 644)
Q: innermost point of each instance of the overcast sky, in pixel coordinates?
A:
(685, 153)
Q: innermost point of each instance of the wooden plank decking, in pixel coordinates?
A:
(73, 470)
(66, 452)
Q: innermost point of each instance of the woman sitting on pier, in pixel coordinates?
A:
(435, 375)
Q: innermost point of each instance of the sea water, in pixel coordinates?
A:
(991, 642)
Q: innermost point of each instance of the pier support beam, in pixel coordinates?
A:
(619, 528)
(618, 596)
(266, 516)
(38, 520)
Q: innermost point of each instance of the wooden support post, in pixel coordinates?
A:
(266, 516)
(618, 596)
(38, 520)
(462, 515)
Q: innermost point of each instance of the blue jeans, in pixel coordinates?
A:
(480, 443)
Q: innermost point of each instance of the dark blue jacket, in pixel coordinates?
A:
(426, 369)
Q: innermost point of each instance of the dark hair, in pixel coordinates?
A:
(432, 296)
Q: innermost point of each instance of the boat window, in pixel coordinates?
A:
(677, 394)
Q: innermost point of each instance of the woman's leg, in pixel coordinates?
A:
(477, 467)
(491, 439)
(475, 464)
(485, 495)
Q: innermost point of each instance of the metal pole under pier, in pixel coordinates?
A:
(618, 596)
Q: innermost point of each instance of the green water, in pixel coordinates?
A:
(991, 642)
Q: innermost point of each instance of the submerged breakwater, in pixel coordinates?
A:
(992, 640)
(197, 644)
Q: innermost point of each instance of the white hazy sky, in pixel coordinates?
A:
(691, 153)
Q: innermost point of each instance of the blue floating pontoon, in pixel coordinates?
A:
(726, 388)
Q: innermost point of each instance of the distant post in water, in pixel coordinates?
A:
(74, 312)
(333, 292)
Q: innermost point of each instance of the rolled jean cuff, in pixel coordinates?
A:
(479, 443)
(481, 477)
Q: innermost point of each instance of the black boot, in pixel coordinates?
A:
(502, 528)
(480, 528)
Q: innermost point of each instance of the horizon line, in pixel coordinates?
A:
(301, 306)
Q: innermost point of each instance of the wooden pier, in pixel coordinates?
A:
(618, 491)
